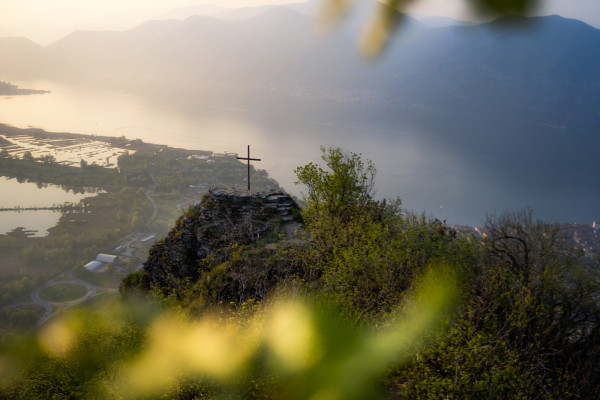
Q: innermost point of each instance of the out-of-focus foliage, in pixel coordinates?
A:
(503, 7)
(288, 348)
(389, 14)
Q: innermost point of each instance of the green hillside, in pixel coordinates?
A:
(349, 298)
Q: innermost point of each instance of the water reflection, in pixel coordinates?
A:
(17, 193)
(36, 223)
(454, 167)
(283, 138)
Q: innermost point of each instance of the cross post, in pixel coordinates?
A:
(248, 159)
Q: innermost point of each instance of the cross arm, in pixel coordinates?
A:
(249, 159)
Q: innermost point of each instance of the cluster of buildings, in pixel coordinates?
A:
(101, 263)
(585, 238)
(582, 236)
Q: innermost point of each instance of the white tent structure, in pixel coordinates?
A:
(93, 266)
(106, 258)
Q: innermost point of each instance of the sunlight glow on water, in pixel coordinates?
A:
(39, 221)
(458, 172)
(28, 194)
(282, 145)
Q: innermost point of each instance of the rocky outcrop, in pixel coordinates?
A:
(211, 230)
(280, 202)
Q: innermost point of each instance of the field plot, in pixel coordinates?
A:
(68, 151)
(63, 292)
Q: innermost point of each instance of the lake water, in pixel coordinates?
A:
(37, 222)
(28, 194)
(457, 172)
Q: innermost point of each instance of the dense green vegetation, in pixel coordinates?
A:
(20, 317)
(82, 230)
(70, 178)
(63, 292)
(175, 170)
(78, 237)
(372, 301)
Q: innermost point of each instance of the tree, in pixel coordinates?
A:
(48, 159)
(362, 252)
(341, 192)
(340, 200)
(526, 247)
(4, 154)
(27, 156)
(528, 326)
(549, 305)
(337, 200)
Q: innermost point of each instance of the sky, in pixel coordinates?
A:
(45, 21)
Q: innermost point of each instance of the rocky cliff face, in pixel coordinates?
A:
(208, 233)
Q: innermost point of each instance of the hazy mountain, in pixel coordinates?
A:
(243, 13)
(21, 58)
(232, 14)
(210, 10)
(206, 10)
(546, 70)
(439, 22)
(543, 67)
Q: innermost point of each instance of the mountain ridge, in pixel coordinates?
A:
(540, 67)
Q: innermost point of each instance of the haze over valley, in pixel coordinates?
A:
(460, 120)
(256, 199)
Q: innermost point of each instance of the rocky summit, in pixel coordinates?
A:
(208, 232)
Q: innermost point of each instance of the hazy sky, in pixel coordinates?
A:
(45, 21)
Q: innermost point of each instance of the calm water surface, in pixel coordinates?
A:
(456, 178)
(36, 221)
(29, 194)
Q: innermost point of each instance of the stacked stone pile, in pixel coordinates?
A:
(279, 201)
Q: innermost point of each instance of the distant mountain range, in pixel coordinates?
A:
(542, 69)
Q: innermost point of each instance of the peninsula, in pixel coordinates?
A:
(8, 89)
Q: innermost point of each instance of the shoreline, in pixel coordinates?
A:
(588, 236)
(8, 89)
(136, 145)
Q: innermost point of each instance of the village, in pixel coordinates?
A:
(144, 189)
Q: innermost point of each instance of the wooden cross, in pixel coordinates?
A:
(248, 159)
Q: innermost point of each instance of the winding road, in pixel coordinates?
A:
(149, 193)
(51, 308)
